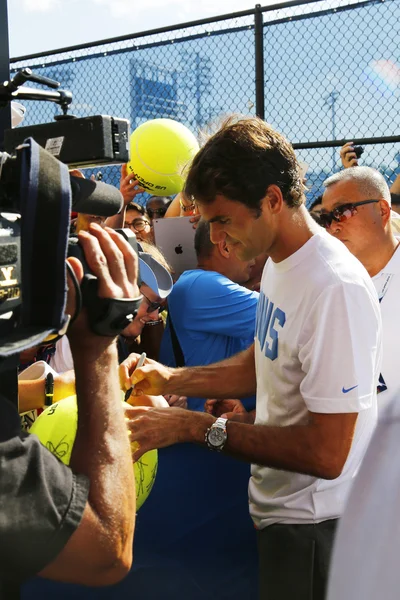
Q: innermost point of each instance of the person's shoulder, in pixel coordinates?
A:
(341, 266)
(197, 279)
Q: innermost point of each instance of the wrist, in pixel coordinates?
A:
(186, 206)
(197, 426)
(174, 381)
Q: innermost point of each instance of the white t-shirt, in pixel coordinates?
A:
(62, 360)
(365, 561)
(387, 284)
(317, 349)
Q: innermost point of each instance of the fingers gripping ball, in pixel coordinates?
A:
(56, 429)
(161, 152)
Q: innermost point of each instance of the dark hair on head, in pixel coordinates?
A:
(314, 203)
(202, 241)
(135, 206)
(241, 161)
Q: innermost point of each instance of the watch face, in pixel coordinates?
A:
(217, 437)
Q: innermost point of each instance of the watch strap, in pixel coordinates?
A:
(220, 423)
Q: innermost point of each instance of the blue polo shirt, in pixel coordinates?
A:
(213, 319)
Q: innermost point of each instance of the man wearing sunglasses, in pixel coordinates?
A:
(357, 211)
(156, 285)
(314, 363)
(156, 206)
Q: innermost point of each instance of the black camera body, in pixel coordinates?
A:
(37, 194)
(358, 151)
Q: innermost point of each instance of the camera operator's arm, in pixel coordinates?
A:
(99, 552)
(128, 186)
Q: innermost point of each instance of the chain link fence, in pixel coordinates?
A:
(320, 72)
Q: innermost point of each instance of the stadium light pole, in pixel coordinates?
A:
(331, 101)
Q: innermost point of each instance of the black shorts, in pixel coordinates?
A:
(294, 560)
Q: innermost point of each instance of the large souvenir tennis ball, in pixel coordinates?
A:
(161, 153)
(56, 429)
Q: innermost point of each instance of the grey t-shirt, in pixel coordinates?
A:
(41, 501)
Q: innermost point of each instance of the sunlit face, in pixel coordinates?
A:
(360, 231)
(244, 233)
(140, 225)
(143, 316)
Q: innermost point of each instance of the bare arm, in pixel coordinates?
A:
(128, 186)
(233, 377)
(31, 392)
(174, 209)
(318, 448)
(348, 156)
(325, 442)
(100, 550)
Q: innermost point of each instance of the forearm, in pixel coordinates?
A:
(31, 392)
(234, 377)
(102, 449)
(116, 221)
(30, 395)
(174, 209)
(301, 448)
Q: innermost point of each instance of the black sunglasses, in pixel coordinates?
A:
(156, 212)
(340, 213)
(152, 306)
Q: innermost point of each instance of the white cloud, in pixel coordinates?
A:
(176, 9)
(42, 6)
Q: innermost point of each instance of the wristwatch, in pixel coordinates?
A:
(216, 435)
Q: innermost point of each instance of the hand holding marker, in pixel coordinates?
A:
(139, 364)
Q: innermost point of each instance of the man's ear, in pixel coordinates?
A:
(385, 211)
(273, 199)
(223, 248)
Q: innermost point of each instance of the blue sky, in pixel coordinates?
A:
(39, 25)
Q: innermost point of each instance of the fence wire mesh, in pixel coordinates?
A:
(331, 72)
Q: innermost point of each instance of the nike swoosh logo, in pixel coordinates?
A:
(349, 389)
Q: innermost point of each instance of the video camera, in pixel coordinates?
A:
(37, 194)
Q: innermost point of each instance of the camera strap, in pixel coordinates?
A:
(107, 316)
(45, 206)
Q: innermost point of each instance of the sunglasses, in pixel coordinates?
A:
(156, 212)
(137, 224)
(152, 306)
(340, 214)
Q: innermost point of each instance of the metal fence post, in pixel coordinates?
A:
(259, 60)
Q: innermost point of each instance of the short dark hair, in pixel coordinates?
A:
(140, 209)
(241, 161)
(314, 203)
(202, 241)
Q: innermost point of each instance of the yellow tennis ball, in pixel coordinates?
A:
(161, 151)
(56, 429)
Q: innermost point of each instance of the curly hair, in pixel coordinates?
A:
(241, 161)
